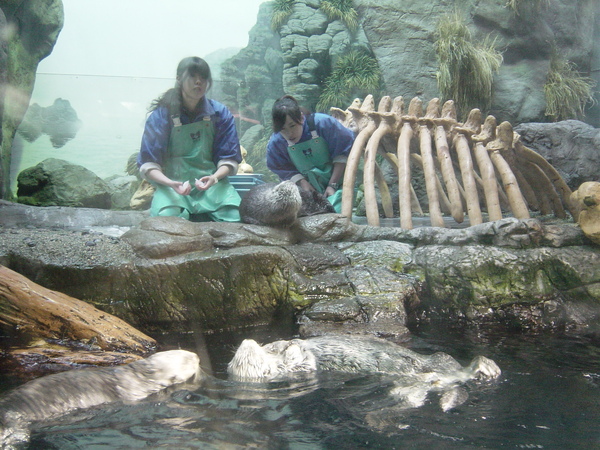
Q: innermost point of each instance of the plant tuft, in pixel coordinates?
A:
(341, 10)
(282, 9)
(466, 68)
(354, 75)
(566, 91)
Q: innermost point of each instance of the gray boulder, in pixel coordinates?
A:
(55, 182)
(571, 147)
(252, 136)
(122, 189)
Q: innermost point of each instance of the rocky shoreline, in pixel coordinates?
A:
(160, 273)
(80, 248)
(84, 236)
(327, 274)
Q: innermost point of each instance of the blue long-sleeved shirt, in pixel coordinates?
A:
(339, 141)
(157, 132)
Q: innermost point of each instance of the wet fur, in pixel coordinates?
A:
(341, 353)
(314, 203)
(417, 374)
(280, 204)
(57, 394)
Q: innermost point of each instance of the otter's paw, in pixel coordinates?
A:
(296, 359)
(252, 362)
(452, 398)
(484, 368)
(13, 431)
(410, 395)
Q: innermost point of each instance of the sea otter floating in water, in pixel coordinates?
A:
(417, 374)
(57, 394)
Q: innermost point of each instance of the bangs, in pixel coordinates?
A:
(199, 69)
(193, 66)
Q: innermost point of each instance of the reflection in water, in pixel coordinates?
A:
(110, 111)
(547, 397)
(59, 121)
(107, 130)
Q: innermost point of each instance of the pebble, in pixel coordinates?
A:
(62, 246)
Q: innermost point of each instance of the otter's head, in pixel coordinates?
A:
(176, 366)
(253, 362)
(142, 378)
(288, 194)
(294, 354)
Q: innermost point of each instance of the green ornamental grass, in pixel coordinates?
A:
(566, 91)
(354, 75)
(334, 9)
(257, 158)
(341, 10)
(466, 67)
(282, 9)
(516, 5)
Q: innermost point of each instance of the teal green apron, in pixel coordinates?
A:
(312, 160)
(189, 157)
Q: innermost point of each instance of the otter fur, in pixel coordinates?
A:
(280, 204)
(57, 394)
(314, 203)
(417, 374)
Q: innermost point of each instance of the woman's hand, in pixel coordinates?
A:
(329, 191)
(205, 182)
(305, 185)
(182, 188)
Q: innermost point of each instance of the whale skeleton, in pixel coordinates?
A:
(467, 167)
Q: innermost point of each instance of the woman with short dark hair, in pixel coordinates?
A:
(309, 149)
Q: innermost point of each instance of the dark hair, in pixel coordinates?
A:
(190, 66)
(284, 107)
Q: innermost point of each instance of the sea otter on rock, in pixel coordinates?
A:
(280, 204)
(417, 374)
(57, 394)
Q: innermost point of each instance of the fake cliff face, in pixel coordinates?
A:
(40, 24)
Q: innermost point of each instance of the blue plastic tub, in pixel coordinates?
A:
(243, 183)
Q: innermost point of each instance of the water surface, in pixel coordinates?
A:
(547, 397)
